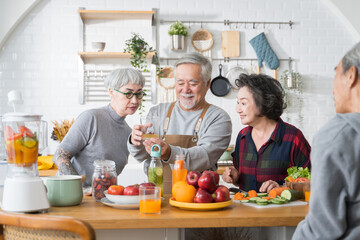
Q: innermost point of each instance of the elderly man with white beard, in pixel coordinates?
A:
(190, 126)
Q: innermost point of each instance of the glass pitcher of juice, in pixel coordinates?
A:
(179, 172)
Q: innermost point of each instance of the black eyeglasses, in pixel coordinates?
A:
(129, 95)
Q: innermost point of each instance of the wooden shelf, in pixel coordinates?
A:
(111, 14)
(109, 54)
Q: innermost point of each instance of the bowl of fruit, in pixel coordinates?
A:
(125, 195)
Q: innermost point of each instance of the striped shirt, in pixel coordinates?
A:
(287, 147)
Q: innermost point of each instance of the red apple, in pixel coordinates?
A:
(202, 196)
(222, 194)
(192, 178)
(132, 190)
(207, 182)
(116, 190)
(215, 174)
(147, 184)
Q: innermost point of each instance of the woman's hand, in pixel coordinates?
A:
(268, 185)
(136, 135)
(230, 175)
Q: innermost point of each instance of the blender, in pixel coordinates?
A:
(24, 191)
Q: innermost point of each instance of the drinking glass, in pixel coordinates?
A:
(150, 200)
(307, 192)
(153, 130)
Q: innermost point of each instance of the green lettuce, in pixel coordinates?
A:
(296, 172)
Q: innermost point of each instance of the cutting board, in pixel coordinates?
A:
(290, 204)
(230, 43)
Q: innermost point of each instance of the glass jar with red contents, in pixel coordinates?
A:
(104, 176)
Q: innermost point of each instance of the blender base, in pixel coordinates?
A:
(24, 195)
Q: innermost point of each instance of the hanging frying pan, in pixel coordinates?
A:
(220, 86)
(234, 74)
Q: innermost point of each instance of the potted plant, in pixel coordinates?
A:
(178, 32)
(139, 49)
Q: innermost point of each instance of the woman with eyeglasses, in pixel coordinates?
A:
(102, 133)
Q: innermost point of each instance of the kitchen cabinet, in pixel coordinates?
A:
(91, 87)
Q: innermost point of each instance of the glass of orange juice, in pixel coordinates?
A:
(307, 192)
(150, 127)
(150, 200)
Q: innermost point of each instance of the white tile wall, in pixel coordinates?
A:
(40, 58)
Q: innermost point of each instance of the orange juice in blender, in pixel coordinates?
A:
(179, 172)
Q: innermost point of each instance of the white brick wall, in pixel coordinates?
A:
(40, 57)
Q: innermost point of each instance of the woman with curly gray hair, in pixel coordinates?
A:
(268, 146)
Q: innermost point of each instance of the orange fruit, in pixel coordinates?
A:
(185, 193)
(177, 186)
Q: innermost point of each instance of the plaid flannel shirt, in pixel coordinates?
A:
(287, 147)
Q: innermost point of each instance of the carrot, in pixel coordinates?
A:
(291, 179)
(276, 191)
(267, 198)
(252, 193)
(238, 196)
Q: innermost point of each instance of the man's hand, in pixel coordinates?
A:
(165, 148)
(268, 185)
(230, 175)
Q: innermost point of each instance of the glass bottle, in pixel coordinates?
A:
(156, 171)
(179, 171)
(104, 176)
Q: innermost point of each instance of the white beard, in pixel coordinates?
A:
(187, 104)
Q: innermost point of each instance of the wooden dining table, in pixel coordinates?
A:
(103, 217)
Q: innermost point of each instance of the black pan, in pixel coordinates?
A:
(220, 86)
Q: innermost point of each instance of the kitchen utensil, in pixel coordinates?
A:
(202, 40)
(234, 74)
(64, 190)
(220, 86)
(200, 206)
(25, 136)
(122, 199)
(230, 44)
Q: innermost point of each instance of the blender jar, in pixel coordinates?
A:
(25, 135)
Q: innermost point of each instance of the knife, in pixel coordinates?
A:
(236, 190)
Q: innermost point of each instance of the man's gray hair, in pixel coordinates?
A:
(123, 76)
(352, 58)
(196, 58)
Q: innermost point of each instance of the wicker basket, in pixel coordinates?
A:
(202, 40)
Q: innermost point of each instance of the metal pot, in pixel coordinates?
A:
(234, 74)
(177, 42)
(220, 86)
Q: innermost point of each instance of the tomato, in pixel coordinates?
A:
(26, 131)
(302, 180)
(116, 190)
(10, 134)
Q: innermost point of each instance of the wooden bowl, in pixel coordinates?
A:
(302, 187)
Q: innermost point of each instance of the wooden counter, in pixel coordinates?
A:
(236, 215)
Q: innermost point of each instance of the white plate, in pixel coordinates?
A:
(106, 202)
(123, 199)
